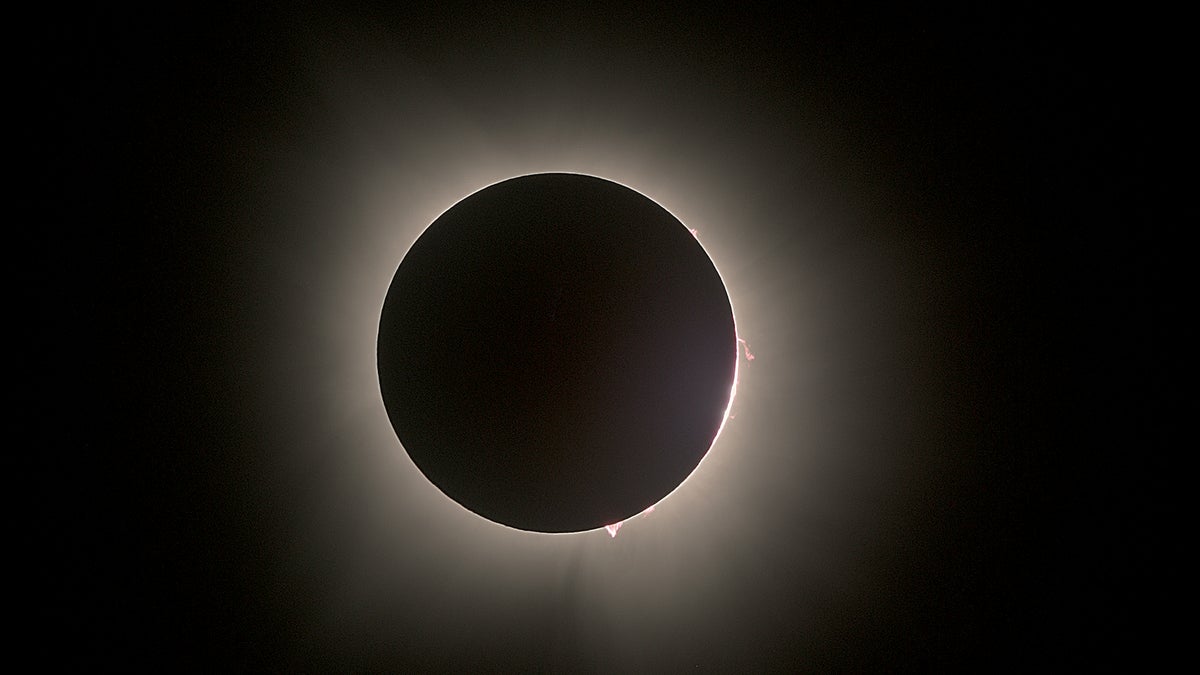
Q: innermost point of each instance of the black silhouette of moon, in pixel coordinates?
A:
(557, 352)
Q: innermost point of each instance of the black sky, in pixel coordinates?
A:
(989, 167)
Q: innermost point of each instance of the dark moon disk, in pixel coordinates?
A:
(556, 352)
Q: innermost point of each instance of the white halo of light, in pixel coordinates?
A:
(353, 199)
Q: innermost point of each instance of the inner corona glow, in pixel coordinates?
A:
(591, 266)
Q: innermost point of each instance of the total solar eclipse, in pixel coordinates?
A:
(557, 352)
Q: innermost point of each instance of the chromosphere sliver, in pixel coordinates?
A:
(556, 352)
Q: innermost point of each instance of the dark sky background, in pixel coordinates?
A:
(935, 232)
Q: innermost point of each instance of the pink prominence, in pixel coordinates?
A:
(612, 529)
(749, 356)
